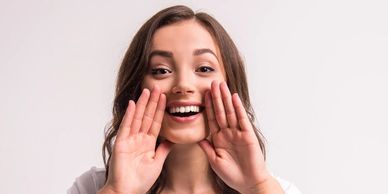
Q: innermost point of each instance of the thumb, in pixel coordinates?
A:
(163, 150)
(209, 150)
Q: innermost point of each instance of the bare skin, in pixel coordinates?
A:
(239, 164)
(134, 159)
(190, 171)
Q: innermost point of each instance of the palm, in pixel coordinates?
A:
(234, 152)
(136, 155)
(135, 164)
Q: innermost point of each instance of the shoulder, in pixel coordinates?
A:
(288, 187)
(89, 182)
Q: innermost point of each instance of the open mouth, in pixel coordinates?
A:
(184, 111)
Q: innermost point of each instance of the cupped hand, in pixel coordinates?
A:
(234, 151)
(135, 164)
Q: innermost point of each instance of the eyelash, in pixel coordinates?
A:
(158, 71)
(210, 69)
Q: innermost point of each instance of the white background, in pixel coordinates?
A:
(317, 75)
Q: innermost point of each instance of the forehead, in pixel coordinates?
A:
(183, 36)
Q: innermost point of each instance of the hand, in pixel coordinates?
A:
(135, 165)
(234, 154)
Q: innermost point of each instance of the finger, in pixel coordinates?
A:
(242, 117)
(218, 105)
(213, 125)
(140, 107)
(157, 122)
(209, 150)
(125, 125)
(228, 105)
(162, 151)
(150, 110)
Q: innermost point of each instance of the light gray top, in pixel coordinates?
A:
(93, 180)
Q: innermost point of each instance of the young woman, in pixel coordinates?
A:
(182, 118)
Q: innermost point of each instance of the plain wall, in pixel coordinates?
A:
(317, 75)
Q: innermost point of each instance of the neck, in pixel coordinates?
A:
(188, 170)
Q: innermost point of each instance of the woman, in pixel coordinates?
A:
(182, 121)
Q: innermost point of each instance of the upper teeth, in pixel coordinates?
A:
(183, 109)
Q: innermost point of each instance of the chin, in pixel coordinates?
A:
(183, 136)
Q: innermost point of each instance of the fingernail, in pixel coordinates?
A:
(129, 103)
(238, 96)
(144, 90)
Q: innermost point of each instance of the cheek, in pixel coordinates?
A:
(149, 83)
(205, 84)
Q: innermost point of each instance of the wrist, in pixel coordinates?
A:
(106, 189)
(269, 186)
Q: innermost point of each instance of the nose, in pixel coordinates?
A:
(182, 90)
(184, 84)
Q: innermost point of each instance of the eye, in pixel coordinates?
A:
(159, 71)
(205, 69)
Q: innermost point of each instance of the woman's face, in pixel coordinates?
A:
(184, 61)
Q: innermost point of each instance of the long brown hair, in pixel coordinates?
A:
(135, 64)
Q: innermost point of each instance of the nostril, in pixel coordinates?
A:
(182, 89)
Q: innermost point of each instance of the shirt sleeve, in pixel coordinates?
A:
(89, 182)
(288, 187)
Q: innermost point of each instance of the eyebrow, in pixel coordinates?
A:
(169, 54)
